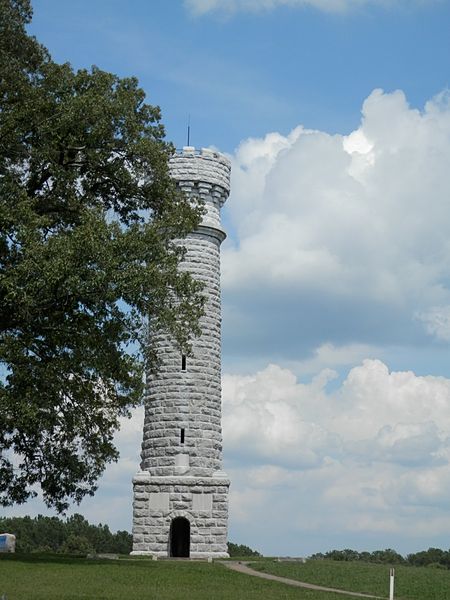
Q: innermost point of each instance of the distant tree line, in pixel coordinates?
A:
(75, 535)
(431, 557)
(241, 550)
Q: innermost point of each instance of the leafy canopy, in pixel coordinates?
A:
(88, 215)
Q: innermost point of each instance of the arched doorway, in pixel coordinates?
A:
(180, 537)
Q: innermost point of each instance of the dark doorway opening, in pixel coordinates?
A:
(180, 537)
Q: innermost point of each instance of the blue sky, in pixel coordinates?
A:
(336, 297)
(247, 73)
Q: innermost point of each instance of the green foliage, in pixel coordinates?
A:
(431, 557)
(88, 215)
(436, 565)
(387, 556)
(77, 544)
(241, 550)
(75, 535)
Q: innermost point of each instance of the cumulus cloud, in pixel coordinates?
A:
(356, 221)
(437, 321)
(373, 416)
(369, 457)
(202, 7)
(265, 414)
(332, 356)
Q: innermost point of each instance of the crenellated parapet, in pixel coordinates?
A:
(205, 166)
(203, 174)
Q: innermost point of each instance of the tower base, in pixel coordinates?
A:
(180, 516)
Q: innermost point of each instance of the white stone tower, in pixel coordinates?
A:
(180, 503)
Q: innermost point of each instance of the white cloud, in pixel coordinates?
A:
(264, 417)
(202, 7)
(374, 416)
(370, 457)
(437, 321)
(359, 221)
(329, 355)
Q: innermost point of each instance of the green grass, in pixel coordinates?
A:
(411, 583)
(63, 578)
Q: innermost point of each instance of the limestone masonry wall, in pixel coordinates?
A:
(189, 399)
(182, 443)
(175, 497)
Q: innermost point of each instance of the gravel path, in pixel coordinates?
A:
(244, 568)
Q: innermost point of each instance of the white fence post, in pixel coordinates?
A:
(391, 583)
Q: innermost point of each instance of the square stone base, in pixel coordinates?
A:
(180, 516)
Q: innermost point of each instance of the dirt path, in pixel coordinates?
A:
(244, 568)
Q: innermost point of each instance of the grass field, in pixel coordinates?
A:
(60, 578)
(63, 578)
(411, 583)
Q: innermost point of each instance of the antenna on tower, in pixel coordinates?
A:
(189, 130)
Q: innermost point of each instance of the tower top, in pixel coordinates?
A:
(190, 165)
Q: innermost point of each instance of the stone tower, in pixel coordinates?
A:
(180, 503)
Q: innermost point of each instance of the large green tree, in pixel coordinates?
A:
(88, 215)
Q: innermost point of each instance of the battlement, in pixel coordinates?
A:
(190, 165)
(207, 152)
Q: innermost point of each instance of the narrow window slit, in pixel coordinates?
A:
(182, 436)
(183, 362)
